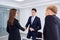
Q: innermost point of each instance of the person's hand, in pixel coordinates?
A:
(31, 29)
(25, 28)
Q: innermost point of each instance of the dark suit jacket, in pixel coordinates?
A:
(13, 31)
(36, 25)
(51, 31)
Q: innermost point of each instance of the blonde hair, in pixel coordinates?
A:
(53, 8)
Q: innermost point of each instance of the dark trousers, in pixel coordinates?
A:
(32, 34)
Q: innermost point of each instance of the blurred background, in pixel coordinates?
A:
(24, 11)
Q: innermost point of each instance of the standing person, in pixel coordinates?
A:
(52, 23)
(13, 26)
(34, 25)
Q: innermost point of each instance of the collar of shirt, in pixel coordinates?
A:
(32, 19)
(33, 16)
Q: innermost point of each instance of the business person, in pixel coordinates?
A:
(13, 26)
(52, 23)
(34, 25)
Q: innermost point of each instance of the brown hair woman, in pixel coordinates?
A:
(13, 26)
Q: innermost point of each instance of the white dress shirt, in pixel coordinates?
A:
(32, 19)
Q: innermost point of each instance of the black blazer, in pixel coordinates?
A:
(13, 31)
(36, 25)
(51, 28)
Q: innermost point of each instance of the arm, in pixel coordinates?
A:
(39, 24)
(54, 30)
(7, 29)
(28, 22)
(19, 26)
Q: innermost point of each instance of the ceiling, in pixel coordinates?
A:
(25, 3)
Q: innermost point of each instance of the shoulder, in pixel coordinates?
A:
(50, 19)
(15, 20)
(30, 17)
(37, 17)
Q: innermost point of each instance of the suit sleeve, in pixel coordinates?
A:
(39, 24)
(7, 28)
(54, 29)
(19, 26)
(28, 22)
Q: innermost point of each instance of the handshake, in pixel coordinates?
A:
(31, 29)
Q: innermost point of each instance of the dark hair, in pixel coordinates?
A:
(13, 9)
(34, 9)
(12, 16)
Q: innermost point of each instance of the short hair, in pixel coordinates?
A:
(53, 8)
(13, 9)
(34, 9)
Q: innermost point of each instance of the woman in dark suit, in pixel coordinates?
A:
(52, 24)
(13, 26)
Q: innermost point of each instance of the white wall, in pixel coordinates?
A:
(26, 12)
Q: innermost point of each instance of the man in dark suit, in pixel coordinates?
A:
(52, 24)
(34, 25)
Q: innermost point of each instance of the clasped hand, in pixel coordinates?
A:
(31, 29)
